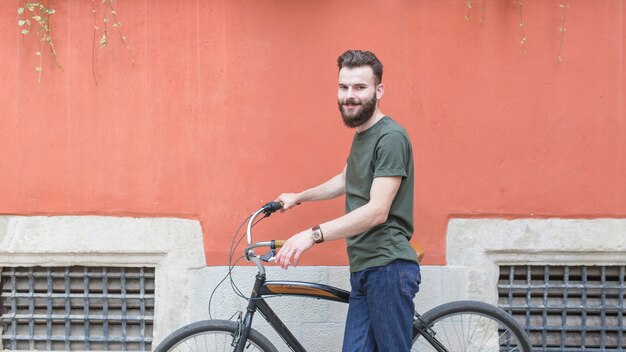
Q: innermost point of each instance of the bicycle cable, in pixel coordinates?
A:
(231, 265)
(233, 285)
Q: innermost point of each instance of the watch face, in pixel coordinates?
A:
(317, 236)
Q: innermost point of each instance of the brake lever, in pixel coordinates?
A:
(269, 256)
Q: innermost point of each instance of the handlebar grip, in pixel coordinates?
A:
(272, 207)
(278, 243)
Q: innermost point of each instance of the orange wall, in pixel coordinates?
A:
(231, 102)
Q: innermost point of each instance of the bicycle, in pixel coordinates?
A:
(455, 326)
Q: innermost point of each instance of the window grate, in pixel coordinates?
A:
(76, 308)
(566, 308)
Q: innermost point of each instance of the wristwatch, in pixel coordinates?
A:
(317, 235)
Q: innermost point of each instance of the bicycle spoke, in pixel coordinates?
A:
(469, 332)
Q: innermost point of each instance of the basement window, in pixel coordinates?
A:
(566, 308)
(76, 308)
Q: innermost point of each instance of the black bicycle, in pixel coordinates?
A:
(456, 326)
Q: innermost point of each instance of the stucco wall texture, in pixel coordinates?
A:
(229, 103)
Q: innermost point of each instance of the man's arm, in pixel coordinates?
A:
(330, 189)
(373, 213)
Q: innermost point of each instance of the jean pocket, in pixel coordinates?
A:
(410, 277)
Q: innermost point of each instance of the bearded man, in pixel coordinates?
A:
(377, 182)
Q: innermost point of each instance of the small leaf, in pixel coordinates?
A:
(25, 31)
(38, 68)
(21, 23)
(20, 11)
(50, 11)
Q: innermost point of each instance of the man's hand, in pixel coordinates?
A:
(289, 200)
(294, 247)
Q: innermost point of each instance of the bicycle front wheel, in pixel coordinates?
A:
(469, 326)
(210, 336)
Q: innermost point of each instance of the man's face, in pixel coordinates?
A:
(357, 96)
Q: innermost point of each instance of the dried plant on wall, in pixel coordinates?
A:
(519, 4)
(109, 22)
(35, 17)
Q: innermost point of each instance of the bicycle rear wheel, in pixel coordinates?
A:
(210, 336)
(471, 326)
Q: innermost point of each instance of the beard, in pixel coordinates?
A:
(359, 116)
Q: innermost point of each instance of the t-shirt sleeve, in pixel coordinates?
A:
(392, 155)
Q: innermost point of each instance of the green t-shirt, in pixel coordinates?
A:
(382, 150)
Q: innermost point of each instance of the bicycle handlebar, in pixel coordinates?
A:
(267, 210)
(249, 254)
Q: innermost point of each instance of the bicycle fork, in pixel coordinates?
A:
(244, 325)
(240, 337)
(425, 329)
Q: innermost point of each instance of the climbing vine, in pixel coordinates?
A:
(109, 23)
(519, 4)
(522, 25)
(482, 11)
(564, 8)
(35, 17)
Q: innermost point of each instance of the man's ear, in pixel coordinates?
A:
(380, 91)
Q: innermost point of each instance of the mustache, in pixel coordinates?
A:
(350, 101)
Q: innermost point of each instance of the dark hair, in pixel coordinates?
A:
(358, 58)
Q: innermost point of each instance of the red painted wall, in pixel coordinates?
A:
(231, 102)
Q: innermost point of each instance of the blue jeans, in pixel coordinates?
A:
(380, 314)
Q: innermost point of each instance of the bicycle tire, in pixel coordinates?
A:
(212, 335)
(472, 326)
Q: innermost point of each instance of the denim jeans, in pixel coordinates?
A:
(380, 314)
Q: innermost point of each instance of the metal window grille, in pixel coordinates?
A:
(566, 308)
(76, 308)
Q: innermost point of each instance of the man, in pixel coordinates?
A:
(378, 183)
